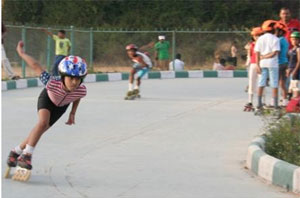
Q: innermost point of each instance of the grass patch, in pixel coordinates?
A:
(283, 139)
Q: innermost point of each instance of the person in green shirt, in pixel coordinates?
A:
(62, 48)
(162, 52)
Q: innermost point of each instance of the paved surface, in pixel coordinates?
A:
(186, 138)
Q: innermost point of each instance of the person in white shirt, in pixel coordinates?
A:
(178, 64)
(267, 48)
(219, 64)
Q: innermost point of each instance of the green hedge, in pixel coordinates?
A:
(283, 140)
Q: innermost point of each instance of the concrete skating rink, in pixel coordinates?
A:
(185, 138)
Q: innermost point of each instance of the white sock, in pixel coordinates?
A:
(130, 85)
(18, 150)
(28, 149)
(250, 98)
(136, 87)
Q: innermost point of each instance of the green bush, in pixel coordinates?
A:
(283, 139)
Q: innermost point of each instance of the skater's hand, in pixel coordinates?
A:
(20, 47)
(71, 119)
(258, 69)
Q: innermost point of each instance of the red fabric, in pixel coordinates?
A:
(293, 106)
(252, 53)
(292, 24)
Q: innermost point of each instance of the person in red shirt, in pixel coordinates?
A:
(292, 24)
(253, 76)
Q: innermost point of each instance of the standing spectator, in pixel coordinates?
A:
(252, 74)
(233, 51)
(267, 48)
(5, 62)
(178, 64)
(219, 64)
(162, 52)
(294, 65)
(281, 29)
(62, 48)
(292, 24)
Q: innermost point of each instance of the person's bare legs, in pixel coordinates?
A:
(283, 88)
(38, 130)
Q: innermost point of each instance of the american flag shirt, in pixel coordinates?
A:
(57, 94)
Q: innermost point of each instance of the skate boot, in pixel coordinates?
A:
(136, 93)
(249, 107)
(11, 162)
(259, 110)
(23, 170)
(129, 95)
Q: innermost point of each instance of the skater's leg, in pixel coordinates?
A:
(38, 130)
(274, 78)
(282, 83)
(252, 82)
(262, 81)
(131, 79)
(138, 83)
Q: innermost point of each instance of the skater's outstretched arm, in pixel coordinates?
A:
(31, 62)
(71, 119)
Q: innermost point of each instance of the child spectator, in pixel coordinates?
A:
(281, 29)
(294, 65)
(252, 74)
(178, 64)
(267, 48)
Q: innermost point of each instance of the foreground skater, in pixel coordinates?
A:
(52, 104)
(141, 66)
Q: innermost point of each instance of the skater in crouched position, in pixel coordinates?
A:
(53, 102)
(142, 64)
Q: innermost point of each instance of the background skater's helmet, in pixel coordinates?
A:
(256, 31)
(295, 35)
(268, 25)
(131, 46)
(73, 66)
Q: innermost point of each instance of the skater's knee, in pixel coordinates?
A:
(43, 125)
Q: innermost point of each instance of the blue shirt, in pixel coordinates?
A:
(284, 48)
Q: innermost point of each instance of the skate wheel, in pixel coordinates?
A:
(7, 172)
(21, 174)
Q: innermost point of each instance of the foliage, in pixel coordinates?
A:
(283, 140)
(145, 14)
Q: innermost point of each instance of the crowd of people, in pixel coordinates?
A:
(274, 60)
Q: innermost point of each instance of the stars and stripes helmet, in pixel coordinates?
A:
(73, 66)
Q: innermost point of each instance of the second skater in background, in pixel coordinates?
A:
(141, 65)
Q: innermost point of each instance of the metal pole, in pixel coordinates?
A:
(173, 48)
(72, 40)
(48, 51)
(24, 41)
(91, 49)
